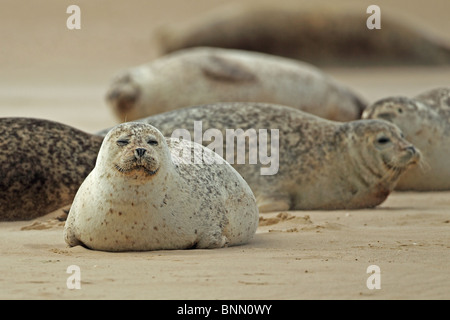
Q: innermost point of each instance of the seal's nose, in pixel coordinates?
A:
(411, 149)
(139, 152)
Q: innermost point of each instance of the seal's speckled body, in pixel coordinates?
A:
(142, 195)
(425, 121)
(42, 164)
(322, 164)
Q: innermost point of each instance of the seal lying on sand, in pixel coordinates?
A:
(322, 164)
(322, 36)
(43, 164)
(142, 196)
(425, 121)
(209, 75)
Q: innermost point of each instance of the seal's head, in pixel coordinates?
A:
(125, 94)
(383, 149)
(134, 150)
(408, 114)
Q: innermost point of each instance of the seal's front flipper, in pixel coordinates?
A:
(273, 204)
(71, 240)
(70, 236)
(225, 70)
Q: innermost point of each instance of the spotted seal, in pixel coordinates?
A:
(322, 164)
(42, 165)
(144, 194)
(425, 121)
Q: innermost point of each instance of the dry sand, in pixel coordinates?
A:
(50, 72)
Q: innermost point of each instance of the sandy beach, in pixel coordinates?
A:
(50, 72)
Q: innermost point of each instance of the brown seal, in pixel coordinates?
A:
(319, 36)
(43, 164)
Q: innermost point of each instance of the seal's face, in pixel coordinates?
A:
(386, 142)
(136, 155)
(134, 150)
(395, 152)
(381, 152)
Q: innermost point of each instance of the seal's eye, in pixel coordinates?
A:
(383, 140)
(122, 142)
(152, 142)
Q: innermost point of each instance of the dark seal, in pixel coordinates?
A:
(43, 163)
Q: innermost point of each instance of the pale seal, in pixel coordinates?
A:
(322, 164)
(425, 121)
(143, 195)
(319, 36)
(209, 75)
(42, 165)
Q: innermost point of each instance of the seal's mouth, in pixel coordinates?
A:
(137, 167)
(411, 158)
